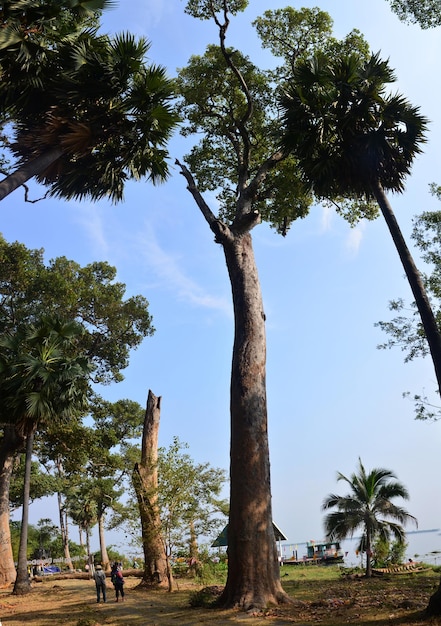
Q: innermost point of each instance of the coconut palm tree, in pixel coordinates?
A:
(42, 379)
(353, 140)
(367, 508)
(89, 116)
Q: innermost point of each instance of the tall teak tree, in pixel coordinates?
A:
(230, 102)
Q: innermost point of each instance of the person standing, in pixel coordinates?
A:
(100, 583)
(118, 582)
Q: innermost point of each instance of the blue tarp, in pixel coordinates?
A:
(51, 569)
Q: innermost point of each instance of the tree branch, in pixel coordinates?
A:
(219, 228)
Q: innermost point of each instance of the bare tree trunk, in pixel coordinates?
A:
(253, 566)
(66, 544)
(28, 171)
(157, 570)
(10, 444)
(63, 520)
(64, 533)
(103, 547)
(90, 560)
(81, 540)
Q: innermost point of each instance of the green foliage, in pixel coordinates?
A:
(93, 97)
(211, 572)
(426, 13)
(207, 9)
(43, 484)
(90, 294)
(45, 536)
(188, 496)
(44, 375)
(114, 556)
(56, 548)
(295, 34)
(231, 105)
(92, 462)
(346, 132)
(387, 553)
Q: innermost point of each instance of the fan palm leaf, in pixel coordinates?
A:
(367, 508)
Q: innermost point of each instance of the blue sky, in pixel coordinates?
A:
(332, 396)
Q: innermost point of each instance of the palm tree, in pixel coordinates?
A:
(42, 379)
(88, 116)
(369, 508)
(352, 140)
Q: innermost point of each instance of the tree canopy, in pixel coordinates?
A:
(86, 111)
(426, 13)
(114, 324)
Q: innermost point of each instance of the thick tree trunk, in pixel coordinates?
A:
(103, 547)
(428, 320)
(434, 607)
(22, 583)
(157, 570)
(10, 444)
(28, 171)
(253, 567)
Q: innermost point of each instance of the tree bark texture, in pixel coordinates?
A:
(103, 546)
(28, 171)
(253, 567)
(157, 570)
(428, 320)
(10, 445)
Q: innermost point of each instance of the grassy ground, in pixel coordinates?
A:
(320, 596)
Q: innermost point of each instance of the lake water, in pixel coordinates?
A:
(422, 545)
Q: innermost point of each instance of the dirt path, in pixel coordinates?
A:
(334, 603)
(65, 602)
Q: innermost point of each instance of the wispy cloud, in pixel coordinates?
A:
(355, 237)
(328, 213)
(89, 217)
(168, 269)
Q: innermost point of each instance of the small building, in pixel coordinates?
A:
(222, 540)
